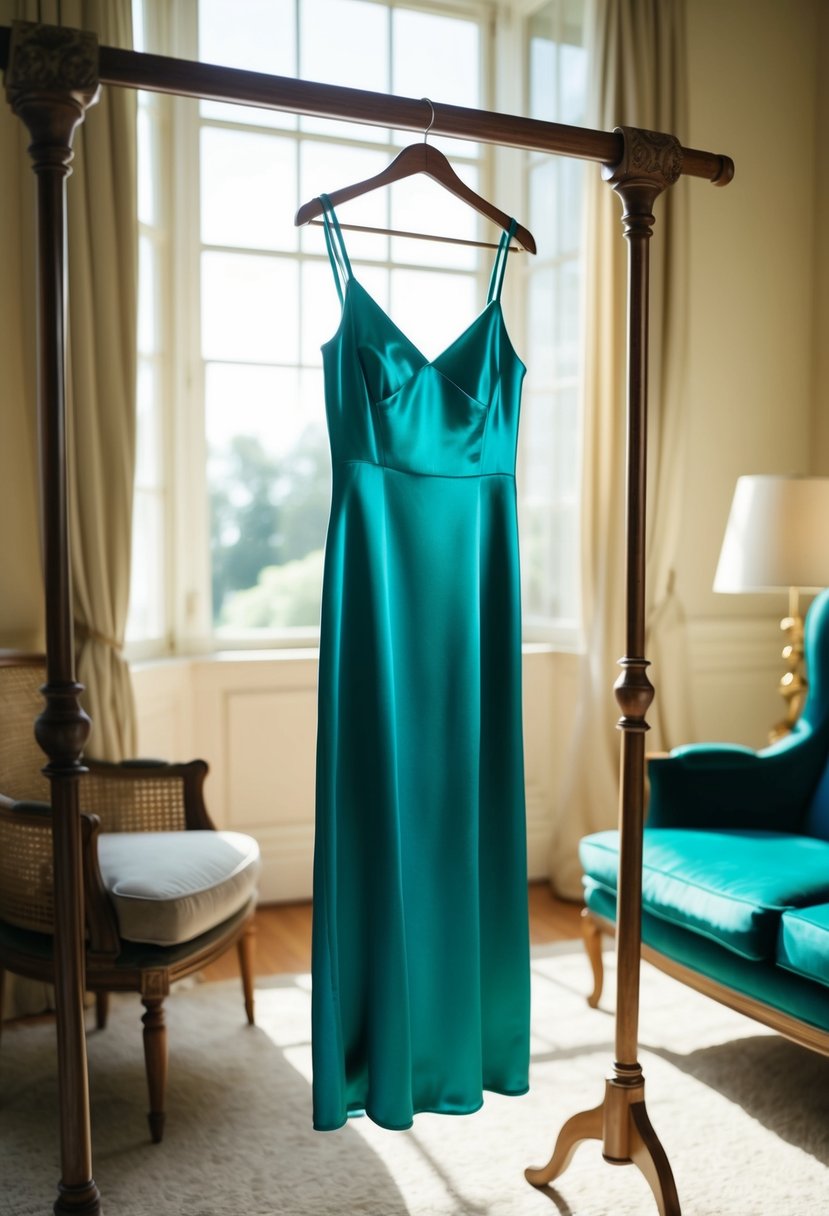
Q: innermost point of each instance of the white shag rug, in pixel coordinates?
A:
(742, 1114)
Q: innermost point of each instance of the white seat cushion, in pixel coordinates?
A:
(169, 887)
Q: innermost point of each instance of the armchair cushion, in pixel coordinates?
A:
(730, 886)
(169, 887)
(803, 944)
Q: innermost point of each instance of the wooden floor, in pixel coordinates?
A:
(283, 933)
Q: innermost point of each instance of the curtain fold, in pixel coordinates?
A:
(638, 78)
(102, 226)
(100, 394)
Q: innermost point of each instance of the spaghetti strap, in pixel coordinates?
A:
(335, 245)
(496, 281)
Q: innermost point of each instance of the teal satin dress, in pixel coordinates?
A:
(420, 928)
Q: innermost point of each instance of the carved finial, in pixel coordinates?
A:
(51, 57)
(51, 80)
(650, 162)
(649, 156)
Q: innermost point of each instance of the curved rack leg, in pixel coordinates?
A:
(621, 1123)
(587, 1125)
(647, 1153)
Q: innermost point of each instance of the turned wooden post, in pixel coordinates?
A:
(650, 162)
(51, 79)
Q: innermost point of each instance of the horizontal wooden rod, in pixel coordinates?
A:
(185, 78)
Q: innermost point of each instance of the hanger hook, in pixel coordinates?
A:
(431, 120)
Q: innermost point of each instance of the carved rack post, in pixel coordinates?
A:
(50, 81)
(649, 164)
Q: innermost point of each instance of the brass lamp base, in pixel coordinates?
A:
(793, 685)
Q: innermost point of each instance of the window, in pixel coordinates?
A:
(556, 65)
(147, 622)
(233, 479)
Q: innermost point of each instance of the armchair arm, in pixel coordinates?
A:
(146, 795)
(728, 786)
(27, 883)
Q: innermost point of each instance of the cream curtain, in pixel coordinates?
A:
(637, 79)
(102, 368)
(101, 393)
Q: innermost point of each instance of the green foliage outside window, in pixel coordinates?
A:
(268, 518)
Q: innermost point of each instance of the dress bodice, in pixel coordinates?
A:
(387, 404)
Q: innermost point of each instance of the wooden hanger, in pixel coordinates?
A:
(419, 158)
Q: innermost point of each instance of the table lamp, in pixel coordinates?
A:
(777, 538)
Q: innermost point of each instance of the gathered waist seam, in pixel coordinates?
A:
(388, 468)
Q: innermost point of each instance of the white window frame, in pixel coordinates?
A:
(187, 560)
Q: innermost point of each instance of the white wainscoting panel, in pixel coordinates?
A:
(252, 717)
(736, 666)
(164, 710)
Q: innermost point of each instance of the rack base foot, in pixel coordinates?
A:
(83, 1200)
(622, 1125)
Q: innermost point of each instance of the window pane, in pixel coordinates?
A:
(568, 320)
(571, 193)
(326, 167)
(543, 63)
(573, 84)
(540, 328)
(148, 427)
(258, 36)
(248, 189)
(345, 42)
(437, 57)
(544, 207)
(269, 487)
(146, 610)
(421, 205)
(147, 297)
(249, 308)
(258, 401)
(440, 58)
(147, 185)
(433, 309)
(265, 41)
(551, 419)
(138, 25)
(320, 309)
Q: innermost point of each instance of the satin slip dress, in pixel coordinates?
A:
(420, 975)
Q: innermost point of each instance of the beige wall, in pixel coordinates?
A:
(759, 261)
(753, 86)
(820, 329)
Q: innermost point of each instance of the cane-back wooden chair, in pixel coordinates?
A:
(164, 892)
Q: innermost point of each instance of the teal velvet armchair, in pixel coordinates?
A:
(735, 881)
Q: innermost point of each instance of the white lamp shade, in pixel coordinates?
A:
(777, 535)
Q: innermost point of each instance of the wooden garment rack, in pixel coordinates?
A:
(52, 76)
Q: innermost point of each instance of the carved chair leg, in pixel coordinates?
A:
(593, 945)
(101, 1009)
(245, 951)
(155, 1059)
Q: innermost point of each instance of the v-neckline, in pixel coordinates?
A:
(426, 362)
